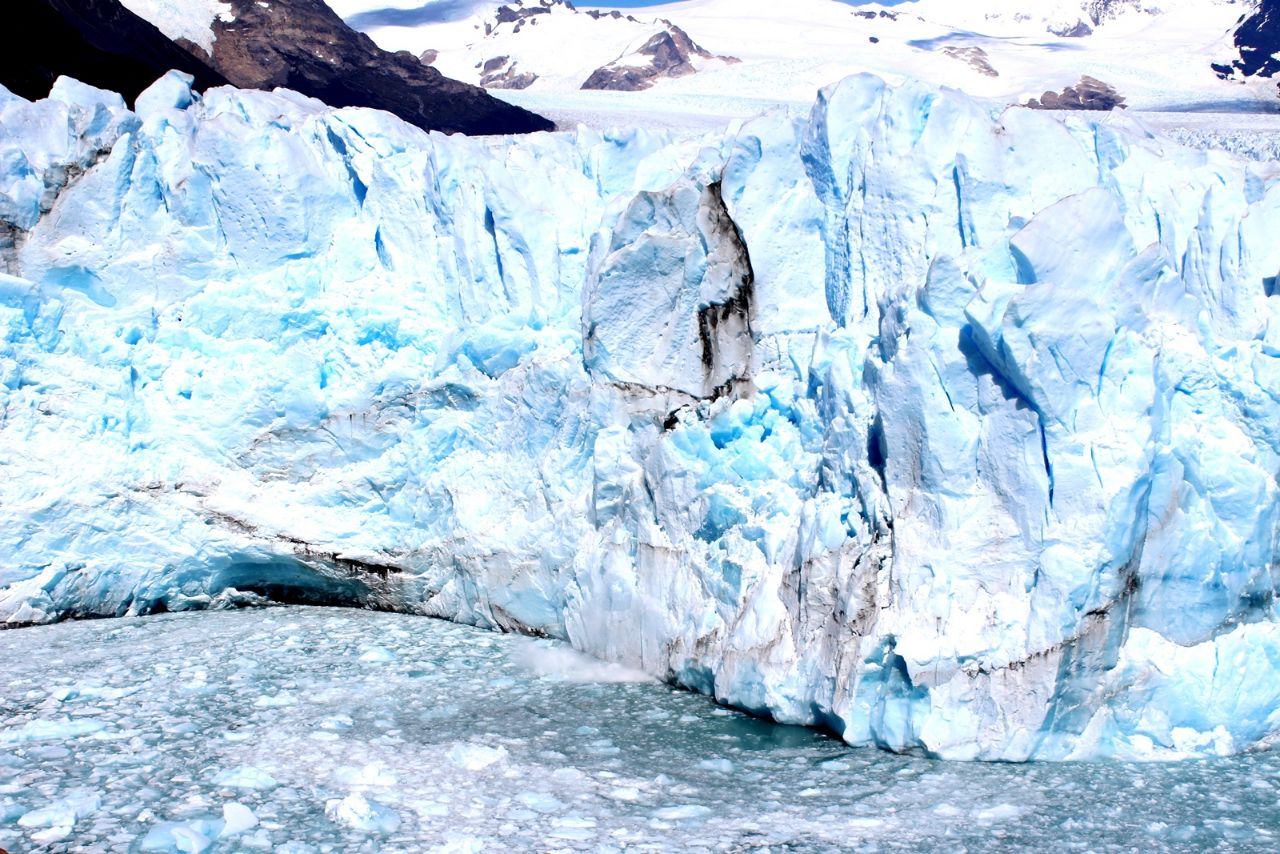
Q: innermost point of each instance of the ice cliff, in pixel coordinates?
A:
(943, 426)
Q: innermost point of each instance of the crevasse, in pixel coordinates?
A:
(944, 426)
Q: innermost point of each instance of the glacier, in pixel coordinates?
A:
(944, 426)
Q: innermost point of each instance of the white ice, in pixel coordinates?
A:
(941, 425)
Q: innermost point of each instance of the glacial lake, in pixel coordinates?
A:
(318, 729)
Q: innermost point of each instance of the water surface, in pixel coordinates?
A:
(317, 729)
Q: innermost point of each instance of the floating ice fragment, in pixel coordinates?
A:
(684, 812)
(337, 722)
(67, 810)
(358, 812)
(378, 655)
(540, 802)
(431, 809)
(267, 701)
(573, 829)
(187, 837)
(460, 845)
(245, 777)
(372, 774)
(49, 730)
(475, 757)
(295, 847)
(236, 818)
(1000, 812)
(59, 817)
(51, 834)
(568, 775)
(603, 747)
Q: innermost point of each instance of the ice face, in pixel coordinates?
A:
(940, 426)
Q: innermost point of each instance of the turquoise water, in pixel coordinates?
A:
(317, 729)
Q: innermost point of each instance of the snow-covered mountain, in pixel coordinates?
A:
(1068, 18)
(942, 425)
(1257, 42)
(550, 44)
(304, 46)
(1156, 54)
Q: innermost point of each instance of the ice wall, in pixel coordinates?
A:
(942, 426)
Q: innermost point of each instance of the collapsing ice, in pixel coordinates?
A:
(941, 426)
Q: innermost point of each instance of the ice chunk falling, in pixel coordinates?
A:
(942, 426)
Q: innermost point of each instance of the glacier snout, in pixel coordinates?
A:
(942, 426)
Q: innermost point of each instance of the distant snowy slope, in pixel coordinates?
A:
(545, 44)
(1155, 53)
(1073, 18)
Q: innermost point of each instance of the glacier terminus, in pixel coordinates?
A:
(945, 426)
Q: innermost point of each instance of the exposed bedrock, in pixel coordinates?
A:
(96, 41)
(1257, 43)
(945, 426)
(303, 45)
(668, 53)
(1089, 94)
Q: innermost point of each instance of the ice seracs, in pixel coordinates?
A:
(942, 425)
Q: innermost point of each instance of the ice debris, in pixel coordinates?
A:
(361, 813)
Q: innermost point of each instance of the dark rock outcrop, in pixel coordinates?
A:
(98, 42)
(975, 57)
(520, 14)
(669, 53)
(303, 45)
(1077, 31)
(1257, 42)
(614, 13)
(500, 73)
(1089, 94)
(1105, 10)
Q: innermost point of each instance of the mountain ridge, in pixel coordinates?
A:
(297, 44)
(1010, 50)
(96, 41)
